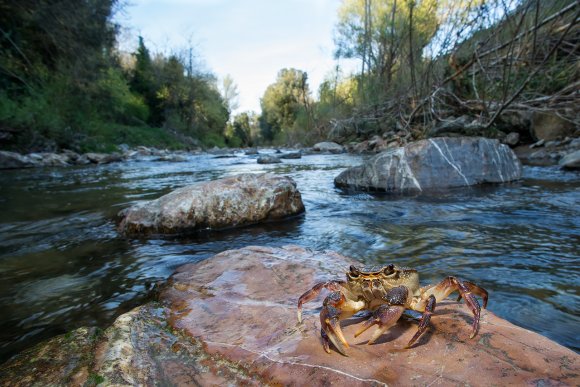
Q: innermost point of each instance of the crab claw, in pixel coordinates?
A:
(385, 317)
(333, 286)
(330, 325)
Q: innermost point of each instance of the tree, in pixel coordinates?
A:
(282, 103)
(388, 36)
(230, 93)
(143, 82)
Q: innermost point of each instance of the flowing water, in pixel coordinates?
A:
(63, 265)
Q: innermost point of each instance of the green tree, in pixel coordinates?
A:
(230, 93)
(388, 37)
(282, 103)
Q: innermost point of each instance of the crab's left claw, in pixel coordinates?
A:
(329, 320)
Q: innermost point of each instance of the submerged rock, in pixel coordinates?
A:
(230, 202)
(435, 163)
(231, 320)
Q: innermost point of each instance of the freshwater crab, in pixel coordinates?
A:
(387, 292)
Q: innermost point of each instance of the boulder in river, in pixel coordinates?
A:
(225, 203)
(436, 163)
(268, 159)
(231, 320)
(291, 155)
(328, 146)
(571, 160)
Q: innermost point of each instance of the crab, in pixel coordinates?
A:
(386, 292)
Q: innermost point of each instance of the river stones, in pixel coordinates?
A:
(231, 320)
(229, 202)
(13, 160)
(436, 163)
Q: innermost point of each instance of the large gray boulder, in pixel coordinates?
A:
(225, 203)
(435, 163)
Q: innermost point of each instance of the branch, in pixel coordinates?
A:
(531, 75)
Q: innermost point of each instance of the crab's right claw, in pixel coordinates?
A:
(384, 317)
(330, 324)
(333, 286)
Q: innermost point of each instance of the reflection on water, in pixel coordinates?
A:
(63, 265)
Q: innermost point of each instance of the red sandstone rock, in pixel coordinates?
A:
(231, 320)
(242, 305)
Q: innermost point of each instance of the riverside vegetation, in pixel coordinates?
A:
(428, 68)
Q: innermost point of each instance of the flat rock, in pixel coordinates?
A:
(436, 163)
(231, 320)
(230, 202)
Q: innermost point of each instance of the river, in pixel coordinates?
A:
(63, 264)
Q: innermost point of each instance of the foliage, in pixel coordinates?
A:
(243, 131)
(63, 86)
(388, 37)
(424, 60)
(282, 103)
(230, 93)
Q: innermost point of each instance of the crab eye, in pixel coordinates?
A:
(389, 269)
(354, 272)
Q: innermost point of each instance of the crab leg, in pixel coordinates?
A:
(330, 325)
(425, 318)
(466, 291)
(475, 290)
(333, 286)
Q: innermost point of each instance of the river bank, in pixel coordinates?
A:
(543, 153)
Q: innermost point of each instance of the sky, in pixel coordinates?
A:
(250, 40)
